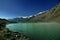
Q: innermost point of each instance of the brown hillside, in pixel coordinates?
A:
(52, 15)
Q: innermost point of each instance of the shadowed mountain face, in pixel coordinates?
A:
(52, 15)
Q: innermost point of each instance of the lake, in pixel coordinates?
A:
(38, 31)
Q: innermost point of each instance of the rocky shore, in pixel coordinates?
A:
(6, 34)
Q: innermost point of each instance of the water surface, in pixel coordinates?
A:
(38, 31)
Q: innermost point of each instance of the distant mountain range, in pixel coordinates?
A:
(52, 15)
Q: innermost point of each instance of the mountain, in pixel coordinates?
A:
(3, 21)
(52, 15)
(18, 19)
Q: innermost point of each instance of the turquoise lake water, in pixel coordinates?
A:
(38, 31)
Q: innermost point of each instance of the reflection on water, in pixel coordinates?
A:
(38, 31)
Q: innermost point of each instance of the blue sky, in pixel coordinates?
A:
(15, 8)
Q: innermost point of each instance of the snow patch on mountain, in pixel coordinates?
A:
(39, 13)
